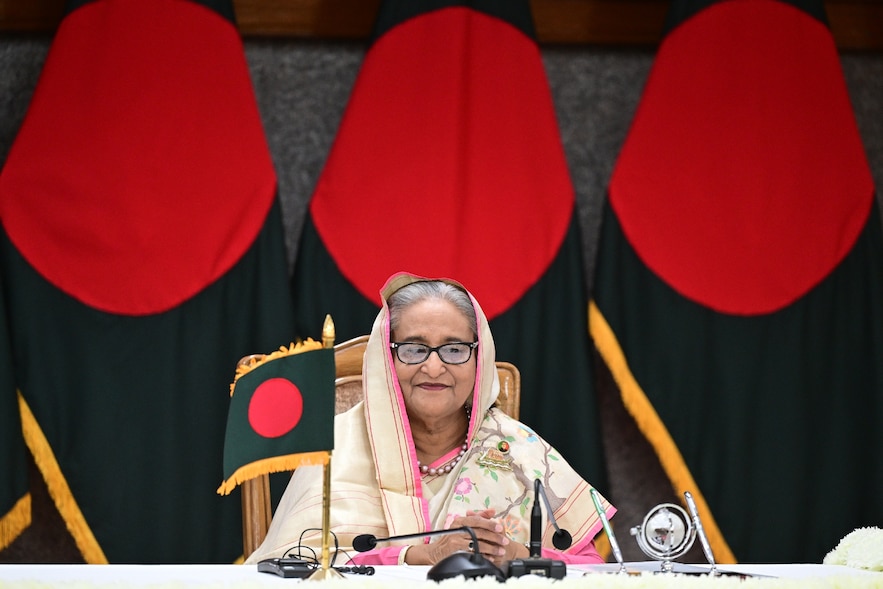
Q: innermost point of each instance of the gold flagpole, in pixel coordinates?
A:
(326, 571)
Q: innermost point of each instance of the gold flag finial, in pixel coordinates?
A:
(326, 571)
(328, 332)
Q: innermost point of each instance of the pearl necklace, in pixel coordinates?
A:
(447, 466)
(450, 464)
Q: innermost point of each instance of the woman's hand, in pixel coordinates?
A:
(433, 552)
(492, 541)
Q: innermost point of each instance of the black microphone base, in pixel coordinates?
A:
(541, 567)
(466, 564)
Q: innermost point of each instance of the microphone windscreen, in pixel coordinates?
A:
(364, 542)
(562, 539)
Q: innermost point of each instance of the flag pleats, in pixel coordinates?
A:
(15, 499)
(158, 386)
(652, 427)
(751, 413)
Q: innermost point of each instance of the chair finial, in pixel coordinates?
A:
(328, 332)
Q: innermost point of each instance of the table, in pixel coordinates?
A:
(785, 576)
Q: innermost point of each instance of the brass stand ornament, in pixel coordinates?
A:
(667, 533)
(325, 571)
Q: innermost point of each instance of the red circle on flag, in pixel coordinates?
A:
(275, 408)
(448, 162)
(141, 174)
(743, 182)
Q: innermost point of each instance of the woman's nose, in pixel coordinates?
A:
(433, 364)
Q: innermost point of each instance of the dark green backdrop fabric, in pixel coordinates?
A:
(14, 499)
(776, 415)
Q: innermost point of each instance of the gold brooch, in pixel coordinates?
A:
(494, 459)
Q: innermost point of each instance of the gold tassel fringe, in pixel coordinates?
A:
(602, 545)
(15, 521)
(269, 465)
(307, 345)
(59, 490)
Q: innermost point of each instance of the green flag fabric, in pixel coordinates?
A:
(281, 414)
(142, 256)
(448, 162)
(15, 499)
(739, 281)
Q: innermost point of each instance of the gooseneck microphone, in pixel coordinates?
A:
(561, 539)
(460, 563)
(365, 542)
(535, 564)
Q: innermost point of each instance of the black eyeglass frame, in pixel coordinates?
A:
(471, 345)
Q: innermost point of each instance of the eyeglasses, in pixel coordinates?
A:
(453, 353)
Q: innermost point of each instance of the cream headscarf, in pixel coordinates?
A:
(377, 489)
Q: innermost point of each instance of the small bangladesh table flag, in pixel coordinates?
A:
(281, 413)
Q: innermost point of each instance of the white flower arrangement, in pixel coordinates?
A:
(860, 549)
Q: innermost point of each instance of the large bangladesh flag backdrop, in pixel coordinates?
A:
(739, 290)
(448, 163)
(142, 255)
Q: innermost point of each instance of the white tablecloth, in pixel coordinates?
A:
(786, 576)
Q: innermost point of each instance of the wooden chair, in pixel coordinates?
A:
(348, 355)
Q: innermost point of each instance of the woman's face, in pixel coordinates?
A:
(434, 390)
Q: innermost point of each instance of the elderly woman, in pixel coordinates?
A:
(428, 450)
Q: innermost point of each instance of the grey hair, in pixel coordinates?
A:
(430, 289)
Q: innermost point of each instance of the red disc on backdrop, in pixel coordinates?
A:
(448, 162)
(141, 173)
(275, 408)
(743, 181)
